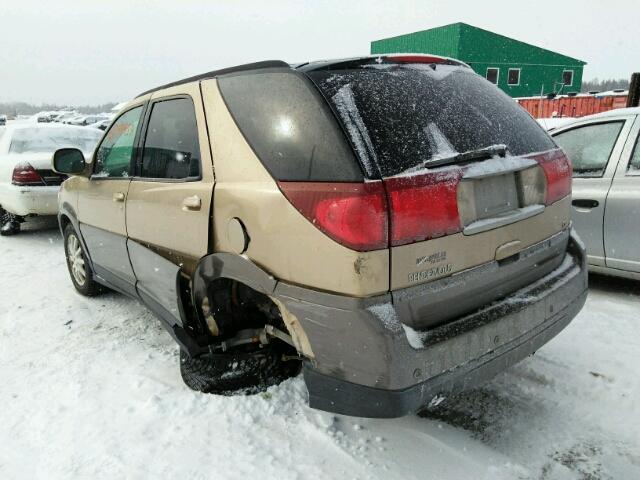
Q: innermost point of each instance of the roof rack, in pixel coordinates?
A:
(222, 71)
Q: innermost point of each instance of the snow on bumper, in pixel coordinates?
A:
(367, 364)
(40, 200)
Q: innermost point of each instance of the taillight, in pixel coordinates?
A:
(532, 185)
(423, 206)
(407, 209)
(25, 175)
(353, 214)
(557, 169)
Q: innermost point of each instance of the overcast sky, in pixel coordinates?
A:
(90, 52)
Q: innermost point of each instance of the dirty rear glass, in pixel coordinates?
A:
(401, 117)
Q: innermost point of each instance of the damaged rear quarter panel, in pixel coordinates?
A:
(282, 241)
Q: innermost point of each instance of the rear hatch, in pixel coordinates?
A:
(472, 183)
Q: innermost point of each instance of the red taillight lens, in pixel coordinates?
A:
(24, 174)
(353, 214)
(557, 169)
(423, 206)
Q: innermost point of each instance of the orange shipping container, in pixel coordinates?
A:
(573, 106)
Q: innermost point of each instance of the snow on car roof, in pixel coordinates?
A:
(609, 113)
(555, 122)
(616, 112)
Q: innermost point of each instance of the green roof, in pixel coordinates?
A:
(471, 44)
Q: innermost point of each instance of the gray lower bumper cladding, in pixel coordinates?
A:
(368, 364)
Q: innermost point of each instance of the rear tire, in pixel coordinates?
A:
(235, 373)
(79, 269)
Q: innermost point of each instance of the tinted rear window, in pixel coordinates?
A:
(400, 117)
(290, 127)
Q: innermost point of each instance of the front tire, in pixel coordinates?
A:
(79, 269)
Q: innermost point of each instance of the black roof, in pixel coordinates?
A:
(222, 71)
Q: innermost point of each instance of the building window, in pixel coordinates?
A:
(514, 76)
(493, 74)
(567, 78)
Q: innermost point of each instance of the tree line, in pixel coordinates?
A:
(22, 108)
(597, 85)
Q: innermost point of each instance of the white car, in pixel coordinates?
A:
(28, 184)
(86, 120)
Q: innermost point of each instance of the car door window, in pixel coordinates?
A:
(589, 147)
(113, 157)
(171, 148)
(634, 163)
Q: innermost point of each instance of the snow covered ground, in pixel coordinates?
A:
(90, 388)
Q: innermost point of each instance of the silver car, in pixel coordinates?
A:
(605, 152)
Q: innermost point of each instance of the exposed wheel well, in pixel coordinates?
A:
(210, 276)
(230, 306)
(64, 221)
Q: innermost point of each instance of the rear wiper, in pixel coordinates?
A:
(481, 153)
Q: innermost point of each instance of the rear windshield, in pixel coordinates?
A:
(401, 117)
(45, 140)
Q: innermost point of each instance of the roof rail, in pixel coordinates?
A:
(222, 71)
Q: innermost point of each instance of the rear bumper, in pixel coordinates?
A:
(332, 394)
(366, 363)
(40, 200)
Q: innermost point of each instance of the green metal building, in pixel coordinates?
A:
(518, 68)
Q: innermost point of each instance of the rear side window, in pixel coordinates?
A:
(290, 127)
(400, 117)
(634, 164)
(113, 157)
(589, 147)
(171, 148)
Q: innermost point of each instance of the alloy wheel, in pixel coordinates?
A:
(76, 260)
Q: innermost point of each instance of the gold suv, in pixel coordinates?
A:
(394, 225)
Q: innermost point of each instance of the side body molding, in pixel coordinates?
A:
(157, 280)
(158, 286)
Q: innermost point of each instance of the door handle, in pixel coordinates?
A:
(585, 203)
(118, 197)
(191, 203)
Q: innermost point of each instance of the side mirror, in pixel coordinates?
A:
(69, 161)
